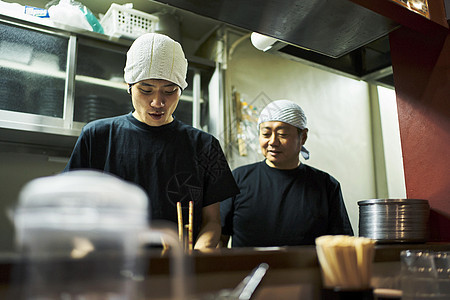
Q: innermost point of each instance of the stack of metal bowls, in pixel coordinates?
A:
(394, 220)
(93, 107)
(11, 93)
(49, 102)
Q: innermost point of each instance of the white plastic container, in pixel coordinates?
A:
(124, 21)
(79, 235)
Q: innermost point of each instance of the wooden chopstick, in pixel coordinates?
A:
(191, 223)
(189, 242)
(345, 261)
(180, 222)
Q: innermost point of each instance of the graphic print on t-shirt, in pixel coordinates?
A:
(183, 187)
(211, 162)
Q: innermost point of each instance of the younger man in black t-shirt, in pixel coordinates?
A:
(172, 161)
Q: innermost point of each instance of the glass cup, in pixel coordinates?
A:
(442, 263)
(425, 275)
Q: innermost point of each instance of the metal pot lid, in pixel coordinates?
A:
(392, 201)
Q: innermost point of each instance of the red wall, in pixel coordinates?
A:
(421, 65)
(420, 53)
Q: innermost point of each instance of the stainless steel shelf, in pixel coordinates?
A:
(36, 130)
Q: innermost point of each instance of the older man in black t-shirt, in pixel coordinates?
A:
(283, 202)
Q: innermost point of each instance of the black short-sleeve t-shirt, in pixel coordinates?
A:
(283, 207)
(173, 163)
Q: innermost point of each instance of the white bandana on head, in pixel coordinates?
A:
(156, 56)
(288, 112)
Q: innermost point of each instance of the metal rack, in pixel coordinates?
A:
(17, 124)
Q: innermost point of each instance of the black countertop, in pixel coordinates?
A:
(289, 267)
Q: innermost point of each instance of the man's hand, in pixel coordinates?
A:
(210, 230)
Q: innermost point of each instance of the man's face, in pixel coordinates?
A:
(281, 144)
(154, 101)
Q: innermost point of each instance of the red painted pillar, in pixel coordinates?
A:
(421, 67)
(420, 53)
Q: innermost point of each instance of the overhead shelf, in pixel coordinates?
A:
(56, 81)
(44, 71)
(102, 82)
(60, 74)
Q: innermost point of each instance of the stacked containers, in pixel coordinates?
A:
(394, 220)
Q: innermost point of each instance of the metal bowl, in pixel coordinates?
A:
(394, 220)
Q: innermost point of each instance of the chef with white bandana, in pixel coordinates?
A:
(283, 202)
(173, 162)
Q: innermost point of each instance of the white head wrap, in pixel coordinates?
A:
(288, 112)
(156, 56)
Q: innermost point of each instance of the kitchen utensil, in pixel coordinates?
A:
(245, 289)
(81, 234)
(346, 265)
(394, 220)
(11, 92)
(425, 274)
(92, 107)
(48, 101)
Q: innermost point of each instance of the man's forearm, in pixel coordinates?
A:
(209, 236)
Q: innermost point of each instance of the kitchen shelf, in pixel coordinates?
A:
(62, 75)
(66, 79)
(101, 82)
(31, 69)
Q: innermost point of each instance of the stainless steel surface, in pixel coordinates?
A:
(245, 289)
(37, 130)
(338, 36)
(70, 82)
(332, 28)
(248, 286)
(329, 28)
(337, 26)
(394, 220)
(196, 95)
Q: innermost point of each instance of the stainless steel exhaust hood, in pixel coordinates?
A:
(332, 33)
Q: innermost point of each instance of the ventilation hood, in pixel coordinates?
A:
(370, 62)
(337, 34)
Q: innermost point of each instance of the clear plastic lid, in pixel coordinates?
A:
(83, 188)
(84, 196)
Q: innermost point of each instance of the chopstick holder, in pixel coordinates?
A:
(345, 261)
